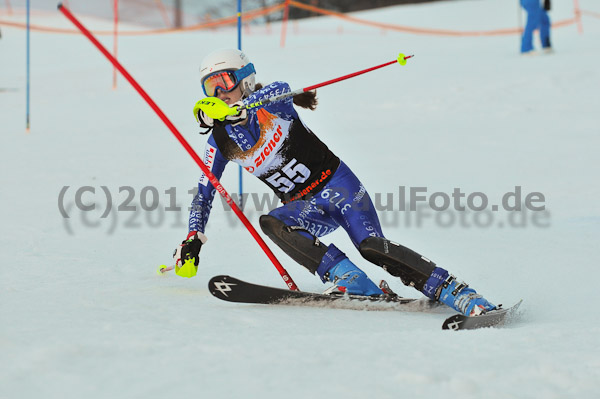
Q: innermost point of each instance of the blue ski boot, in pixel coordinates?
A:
(345, 275)
(444, 287)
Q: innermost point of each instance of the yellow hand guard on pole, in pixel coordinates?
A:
(214, 108)
(187, 269)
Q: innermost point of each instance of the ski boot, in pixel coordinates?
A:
(348, 278)
(444, 288)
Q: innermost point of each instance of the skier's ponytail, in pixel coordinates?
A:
(307, 100)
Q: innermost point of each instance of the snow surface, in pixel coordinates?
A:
(84, 315)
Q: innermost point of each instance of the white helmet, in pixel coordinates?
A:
(229, 60)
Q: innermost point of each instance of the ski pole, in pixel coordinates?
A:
(400, 60)
(162, 269)
(218, 109)
(211, 177)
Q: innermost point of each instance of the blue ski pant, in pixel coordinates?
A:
(342, 202)
(537, 18)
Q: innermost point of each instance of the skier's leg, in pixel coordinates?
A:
(357, 215)
(295, 228)
(348, 203)
(532, 8)
(545, 29)
(399, 261)
(294, 240)
(417, 271)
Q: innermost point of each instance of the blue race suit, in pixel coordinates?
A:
(319, 192)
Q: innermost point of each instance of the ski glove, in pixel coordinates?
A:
(204, 120)
(187, 254)
(211, 108)
(238, 118)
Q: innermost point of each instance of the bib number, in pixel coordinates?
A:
(293, 173)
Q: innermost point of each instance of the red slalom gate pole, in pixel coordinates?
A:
(578, 16)
(115, 38)
(213, 179)
(286, 13)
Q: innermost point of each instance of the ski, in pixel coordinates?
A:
(488, 319)
(231, 289)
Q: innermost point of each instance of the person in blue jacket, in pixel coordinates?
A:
(319, 192)
(537, 18)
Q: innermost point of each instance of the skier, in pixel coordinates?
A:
(537, 18)
(319, 192)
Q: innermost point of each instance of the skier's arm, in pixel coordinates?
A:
(283, 106)
(187, 254)
(202, 202)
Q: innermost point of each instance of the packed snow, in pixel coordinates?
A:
(83, 313)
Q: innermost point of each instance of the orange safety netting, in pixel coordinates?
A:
(247, 16)
(423, 31)
(253, 14)
(591, 13)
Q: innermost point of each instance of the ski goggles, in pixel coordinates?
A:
(225, 80)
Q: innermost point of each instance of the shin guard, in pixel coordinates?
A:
(295, 242)
(412, 268)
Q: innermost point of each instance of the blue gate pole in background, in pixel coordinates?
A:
(27, 67)
(241, 183)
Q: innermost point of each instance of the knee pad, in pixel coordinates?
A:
(295, 242)
(412, 268)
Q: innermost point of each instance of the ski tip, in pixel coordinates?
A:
(514, 307)
(493, 318)
(221, 287)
